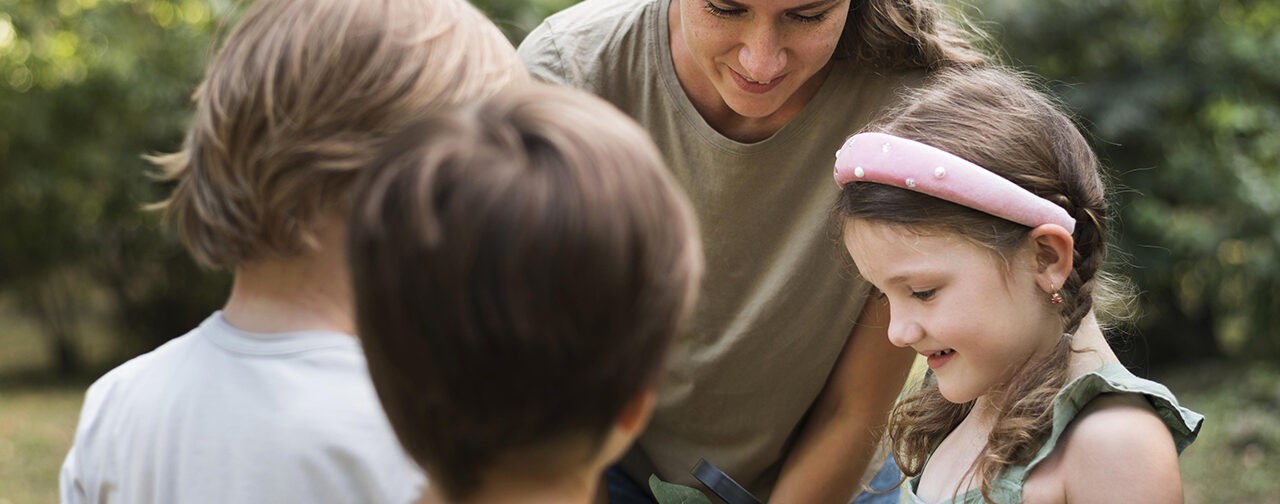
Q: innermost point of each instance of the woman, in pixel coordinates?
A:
(748, 99)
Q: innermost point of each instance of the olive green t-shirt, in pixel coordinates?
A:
(779, 297)
(1112, 378)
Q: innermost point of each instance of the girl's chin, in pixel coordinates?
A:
(956, 396)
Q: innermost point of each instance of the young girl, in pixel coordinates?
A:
(978, 212)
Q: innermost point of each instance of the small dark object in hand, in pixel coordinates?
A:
(721, 484)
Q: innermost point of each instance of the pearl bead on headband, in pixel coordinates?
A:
(907, 164)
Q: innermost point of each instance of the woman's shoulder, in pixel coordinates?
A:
(593, 20)
(575, 45)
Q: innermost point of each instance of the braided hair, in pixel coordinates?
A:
(997, 119)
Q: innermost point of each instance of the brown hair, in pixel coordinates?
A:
(907, 34)
(520, 267)
(996, 119)
(294, 103)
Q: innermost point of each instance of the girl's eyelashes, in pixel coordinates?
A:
(924, 295)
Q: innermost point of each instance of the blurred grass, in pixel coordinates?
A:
(38, 411)
(1236, 459)
(36, 428)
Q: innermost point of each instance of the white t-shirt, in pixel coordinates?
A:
(222, 415)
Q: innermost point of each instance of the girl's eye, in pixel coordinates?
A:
(720, 11)
(924, 295)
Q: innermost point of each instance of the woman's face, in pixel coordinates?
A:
(758, 55)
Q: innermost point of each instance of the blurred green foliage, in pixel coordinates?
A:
(86, 88)
(1183, 100)
(1181, 96)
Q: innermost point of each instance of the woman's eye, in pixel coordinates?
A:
(721, 11)
(924, 295)
(809, 19)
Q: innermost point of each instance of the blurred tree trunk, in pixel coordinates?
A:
(57, 311)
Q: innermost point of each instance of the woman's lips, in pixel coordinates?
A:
(753, 87)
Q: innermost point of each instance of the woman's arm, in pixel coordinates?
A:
(844, 425)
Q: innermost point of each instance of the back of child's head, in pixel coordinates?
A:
(999, 121)
(520, 267)
(297, 99)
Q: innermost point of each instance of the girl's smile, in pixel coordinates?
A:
(940, 358)
(975, 319)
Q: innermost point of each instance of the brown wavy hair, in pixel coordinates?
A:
(296, 101)
(999, 120)
(909, 34)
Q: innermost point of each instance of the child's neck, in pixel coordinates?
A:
(309, 291)
(959, 449)
(578, 489)
(1089, 351)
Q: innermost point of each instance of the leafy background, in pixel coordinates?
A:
(1181, 97)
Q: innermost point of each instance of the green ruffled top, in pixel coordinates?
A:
(1183, 423)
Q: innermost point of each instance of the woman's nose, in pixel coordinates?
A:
(762, 56)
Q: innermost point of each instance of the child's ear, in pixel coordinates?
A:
(635, 415)
(630, 423)
(1055, 252)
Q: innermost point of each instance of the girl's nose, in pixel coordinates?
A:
(902, 331)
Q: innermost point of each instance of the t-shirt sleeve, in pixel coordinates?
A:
(73, 484)
(70, 486)
(541, 54)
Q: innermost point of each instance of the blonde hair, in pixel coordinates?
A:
(297, 101)
(997, 119)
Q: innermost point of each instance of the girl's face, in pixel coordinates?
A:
(756, 54)
(955, 303)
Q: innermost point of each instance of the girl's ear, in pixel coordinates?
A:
(1055, 251)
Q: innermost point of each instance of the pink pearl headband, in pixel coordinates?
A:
(907, 164)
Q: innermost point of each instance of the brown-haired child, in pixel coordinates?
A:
(520, 268)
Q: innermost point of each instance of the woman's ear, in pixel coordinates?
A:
(1055, 251)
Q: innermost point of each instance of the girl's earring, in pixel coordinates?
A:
(1055, 298)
